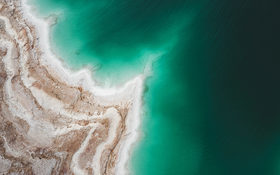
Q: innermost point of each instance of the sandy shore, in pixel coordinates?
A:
(54, 120)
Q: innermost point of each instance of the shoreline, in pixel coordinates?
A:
(84, 72)
(131, 92)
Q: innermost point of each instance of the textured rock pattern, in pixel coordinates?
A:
(49, 125)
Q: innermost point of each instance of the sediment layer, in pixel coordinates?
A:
(53, 121)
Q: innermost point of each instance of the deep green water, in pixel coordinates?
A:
(212, 106)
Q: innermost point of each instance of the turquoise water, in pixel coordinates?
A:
(212, 105)
(112, 37)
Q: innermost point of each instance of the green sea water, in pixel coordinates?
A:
(212, 105)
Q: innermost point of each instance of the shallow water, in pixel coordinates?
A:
(212, 105)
